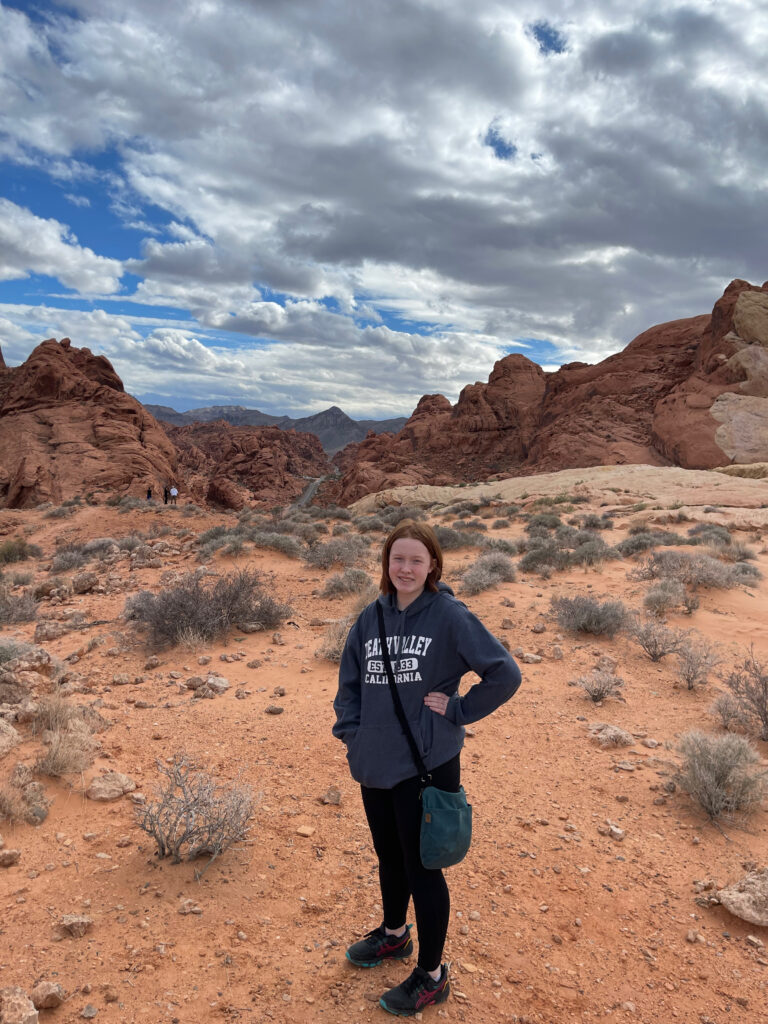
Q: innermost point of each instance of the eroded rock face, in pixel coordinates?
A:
(67, 427)
(235, 466)
(691, 392)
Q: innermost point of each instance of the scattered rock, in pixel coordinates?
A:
(152, 662)
(530, 659)
(9, 857)
(74, 925)
(748, 898)
(538, 627)
(305, 830)
(48, 630)
(9, 738)
(111, 786)
(332, 796)
(609, 735)
(273, 709)
(204, 659)
(556, 653)
(89, 1011)
(121, 679)
(84, 582)
(218, 684)
(47, 995)
(189, 907)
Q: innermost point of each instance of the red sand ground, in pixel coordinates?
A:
(551, 921)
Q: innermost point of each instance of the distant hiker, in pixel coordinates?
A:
(165, 495)
(174, 494)
(398, 749)
(149, 494)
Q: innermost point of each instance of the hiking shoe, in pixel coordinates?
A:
(378, 946)
(416, 992)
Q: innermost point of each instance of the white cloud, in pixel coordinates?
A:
(334, 153)
(31, 244)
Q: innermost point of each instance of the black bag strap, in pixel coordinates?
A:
(425, 776)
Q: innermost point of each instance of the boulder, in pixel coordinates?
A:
(9, 738)
(111, 786)
(16, 1007)
(84, 582)
(748, 898)
(47, 995)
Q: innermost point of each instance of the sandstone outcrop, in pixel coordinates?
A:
(234, 466)
(692, 393)
(67, 428)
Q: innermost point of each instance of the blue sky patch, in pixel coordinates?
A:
(548, 38)
(503, 148)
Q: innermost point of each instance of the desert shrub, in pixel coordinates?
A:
(18, 550)
(281, 542)
(543, 557)
(190, 608)
(340, 530)
(234, 546)
(192, 815)
(69, 752)
(731, 713)
(587, 615)
(734, 552)
(214, 533)
(98, 547)
(709, 533)
(129, 503)
(451, 540)
(487, 571)
(59, 512)
(637, 543)
(501, 524)
(469, 524)
(696, 659)
(718, 773)
(664, 595)
(656, 639)
(596, 522)
(351, 581)
(690, 603)
(591, 552)
(370, 524)
(507, 547)
(335, 638)
(54, 713)
(549, 520)
(68, 558)
(344, 551)
(15, 608)
(10, 649)
(599, 684)
(692, 570)
(340, 513)
(394, 514)
(131, 541)
(21, 579)
(748, 684)
(745, 573)
(12, 809)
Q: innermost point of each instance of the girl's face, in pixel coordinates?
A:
(409, 566)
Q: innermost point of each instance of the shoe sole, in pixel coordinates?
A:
(375, 963)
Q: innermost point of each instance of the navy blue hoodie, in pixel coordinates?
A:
(432, 643)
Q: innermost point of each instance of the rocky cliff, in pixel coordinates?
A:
(235, 466)
(691, 392)
(67, 428)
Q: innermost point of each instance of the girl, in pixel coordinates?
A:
(433, 640)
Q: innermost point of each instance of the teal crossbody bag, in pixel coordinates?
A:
(446, 818)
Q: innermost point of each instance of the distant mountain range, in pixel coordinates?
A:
(333, 427)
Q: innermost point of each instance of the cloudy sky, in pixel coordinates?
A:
(288, 204)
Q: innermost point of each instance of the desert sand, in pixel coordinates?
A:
(552, 920)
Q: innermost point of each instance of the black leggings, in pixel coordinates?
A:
(394, 818)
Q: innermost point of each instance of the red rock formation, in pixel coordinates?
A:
(235, 466)
(67, 427)
(690, 392)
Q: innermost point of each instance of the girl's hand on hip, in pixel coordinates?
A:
(437, 702)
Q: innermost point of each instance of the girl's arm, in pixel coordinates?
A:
(482, 653)
(347, 702)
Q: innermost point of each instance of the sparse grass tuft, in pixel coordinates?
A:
(15, 608)
(335, 638)
(599, 684)
(696, 660)
(69, 752)
(656, 639)
(18, 550)
(490, 569)
(351, 581)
